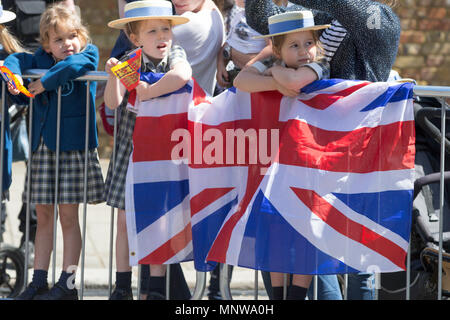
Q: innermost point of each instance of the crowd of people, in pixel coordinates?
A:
(245, 44)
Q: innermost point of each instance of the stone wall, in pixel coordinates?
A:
(424, 51)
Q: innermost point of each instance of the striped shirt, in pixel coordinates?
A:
(331, 39)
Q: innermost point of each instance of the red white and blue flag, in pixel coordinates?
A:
(323, 185)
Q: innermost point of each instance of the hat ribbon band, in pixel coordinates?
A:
(290, 25)
(148, 12)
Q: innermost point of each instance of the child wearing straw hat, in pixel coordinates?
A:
(148, 24)
(296, 64)
(297, 57)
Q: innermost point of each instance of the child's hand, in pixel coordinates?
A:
(36, 87)
(11, 88)
(142, 91)
(285, 91)
(112, 62)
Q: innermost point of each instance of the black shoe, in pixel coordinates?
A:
(31, 292)
(58, 292)
(153, 295)
(121, 294)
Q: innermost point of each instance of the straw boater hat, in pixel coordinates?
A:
(145, 10)
(5, 15)
(292, 21)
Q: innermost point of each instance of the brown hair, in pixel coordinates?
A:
(277, 43)
(58, 15)
(9, 42)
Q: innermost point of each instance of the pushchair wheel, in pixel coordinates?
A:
(11, 271)
(429, 257)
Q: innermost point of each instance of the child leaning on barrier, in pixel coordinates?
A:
(148, 24)
(296, 63)
(66, 54)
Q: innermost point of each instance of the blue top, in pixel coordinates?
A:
(73, 97)
(7, 155)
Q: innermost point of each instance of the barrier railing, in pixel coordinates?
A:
(424, 91)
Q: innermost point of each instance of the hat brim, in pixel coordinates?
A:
(323, 26)
(7, 16)
(120, 23)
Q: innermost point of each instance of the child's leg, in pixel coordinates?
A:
(299, 287)
(71, 233)
(157, 282)
(122, 251)
(276, 279)
(296, 291)
(122, 290)
(44, 236)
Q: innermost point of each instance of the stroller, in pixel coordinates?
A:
(11, 271)
(424, 243)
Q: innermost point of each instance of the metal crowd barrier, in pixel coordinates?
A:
(424, 91)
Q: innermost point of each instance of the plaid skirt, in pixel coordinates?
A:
(71, 177)
(116, 176)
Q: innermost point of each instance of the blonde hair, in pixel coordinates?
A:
(58, 15)
(277, 43)
(9, 41)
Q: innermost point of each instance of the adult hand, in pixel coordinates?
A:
(222, 75)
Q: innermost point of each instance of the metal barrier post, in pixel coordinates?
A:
(316, 280)
(285, 285)
(224, 282)
(168, 282)
(86, 165)
(111, 232)
(139, 282)
(55, 209)
(2, 152)
(408, 272)
(200, 284)
(27, 224)
(255, 292)
(441, 196)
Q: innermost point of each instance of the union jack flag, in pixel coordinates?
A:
(334, 197)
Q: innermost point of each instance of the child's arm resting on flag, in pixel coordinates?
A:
(179, 74)
(296, 79)
(114, 90)
(70, 68)
(250, 79)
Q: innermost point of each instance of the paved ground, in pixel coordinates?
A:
(97, 248)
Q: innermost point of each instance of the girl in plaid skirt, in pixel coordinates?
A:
(67, 54)
(153, 32)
